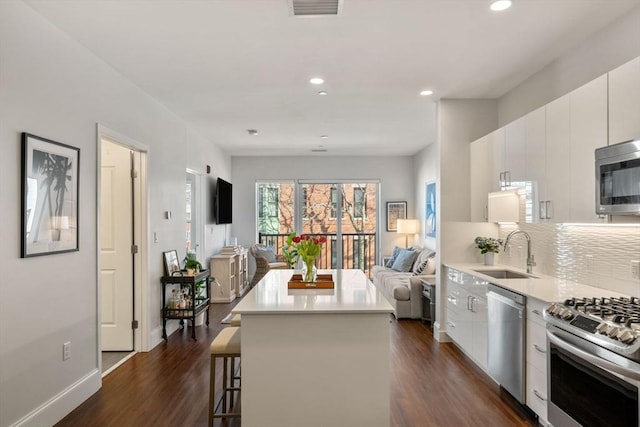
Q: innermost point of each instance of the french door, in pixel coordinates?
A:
(346, 213)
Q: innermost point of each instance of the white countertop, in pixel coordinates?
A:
(545, 288)
(353, 293)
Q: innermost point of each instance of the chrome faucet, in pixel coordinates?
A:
(530, 260)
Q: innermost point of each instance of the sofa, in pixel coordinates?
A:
(399, 279)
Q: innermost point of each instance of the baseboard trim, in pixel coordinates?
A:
(59, 406)
(440, 335)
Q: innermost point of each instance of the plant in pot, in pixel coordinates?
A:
(488, 246)
(191, 264)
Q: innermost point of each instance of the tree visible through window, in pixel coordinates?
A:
(359, 202)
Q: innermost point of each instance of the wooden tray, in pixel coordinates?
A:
(323, 281)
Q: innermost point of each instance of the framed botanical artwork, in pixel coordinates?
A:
(171, 263)
(430, 210)
(395, 211)
(50, 189)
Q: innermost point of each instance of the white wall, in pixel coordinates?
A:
(459, 123)
(395, 175)
(604, 51)
(53, 87)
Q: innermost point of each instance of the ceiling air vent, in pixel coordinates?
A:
(318, 150)
(314, 7)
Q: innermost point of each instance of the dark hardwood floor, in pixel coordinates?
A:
(432, 384)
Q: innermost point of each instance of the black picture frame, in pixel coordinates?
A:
(395, 211)
(171, 263)
(49, 199)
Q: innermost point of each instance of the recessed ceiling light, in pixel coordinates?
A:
(316, 81)
(323, 92)
(252, 132)
(499, 5)
(426, 92)
(324, 136)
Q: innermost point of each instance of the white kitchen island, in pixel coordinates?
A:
(315, 357)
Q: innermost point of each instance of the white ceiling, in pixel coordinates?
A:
(226, 66)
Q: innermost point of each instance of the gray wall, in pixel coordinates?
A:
(395, 175)
(53, 87)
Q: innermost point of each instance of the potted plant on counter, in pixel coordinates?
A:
(488, 246)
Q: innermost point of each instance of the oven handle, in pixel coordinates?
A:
(604, 364)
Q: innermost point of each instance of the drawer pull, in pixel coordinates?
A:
(453, 325)
(538, 349)
(537, 312)
(539, 396)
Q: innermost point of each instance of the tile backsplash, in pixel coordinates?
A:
(596, 255)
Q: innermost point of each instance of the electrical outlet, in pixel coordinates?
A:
(589, 261)
(66, 350)
(635, 269)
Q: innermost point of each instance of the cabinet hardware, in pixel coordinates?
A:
(549, 209)
(453, 325)
(538, 349)
(542, 210)
(507, 178)
(539, 396)
(537, 312)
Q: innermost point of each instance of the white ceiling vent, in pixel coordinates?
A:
(314, 7)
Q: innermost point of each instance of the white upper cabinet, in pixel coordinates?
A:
(552, 148)
(486, 164)
(624, 102)
(535, 165)
(555, 199)
(588, 132)
(514, 169)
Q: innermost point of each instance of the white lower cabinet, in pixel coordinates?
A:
(537, 392)
(467, 314)
(536, 366)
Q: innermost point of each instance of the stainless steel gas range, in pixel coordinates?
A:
(593, 356)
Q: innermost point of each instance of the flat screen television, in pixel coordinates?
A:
(223, 202)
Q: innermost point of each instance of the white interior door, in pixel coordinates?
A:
(116, 256)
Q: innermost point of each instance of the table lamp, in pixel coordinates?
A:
(406, 227)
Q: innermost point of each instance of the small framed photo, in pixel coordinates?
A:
(395, 211)
(50, 188)
(171, 263)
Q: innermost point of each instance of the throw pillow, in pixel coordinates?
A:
(404, 260)
(430, 268)
(266, 252)
(394, 255)
(421, 261)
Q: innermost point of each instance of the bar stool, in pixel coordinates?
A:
(226, 345)
(236, 320)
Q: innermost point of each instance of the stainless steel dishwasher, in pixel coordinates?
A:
(506, 339)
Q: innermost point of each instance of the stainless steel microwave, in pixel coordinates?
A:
(618, 179)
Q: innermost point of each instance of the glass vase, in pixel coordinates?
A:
(309, 271)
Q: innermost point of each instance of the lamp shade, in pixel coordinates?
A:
(408, 226)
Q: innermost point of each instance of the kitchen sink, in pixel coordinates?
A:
(505, 274)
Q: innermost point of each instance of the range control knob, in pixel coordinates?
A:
(566, 314)
(554, 309)
(613, 332)
(602, 328)
(626, 336)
